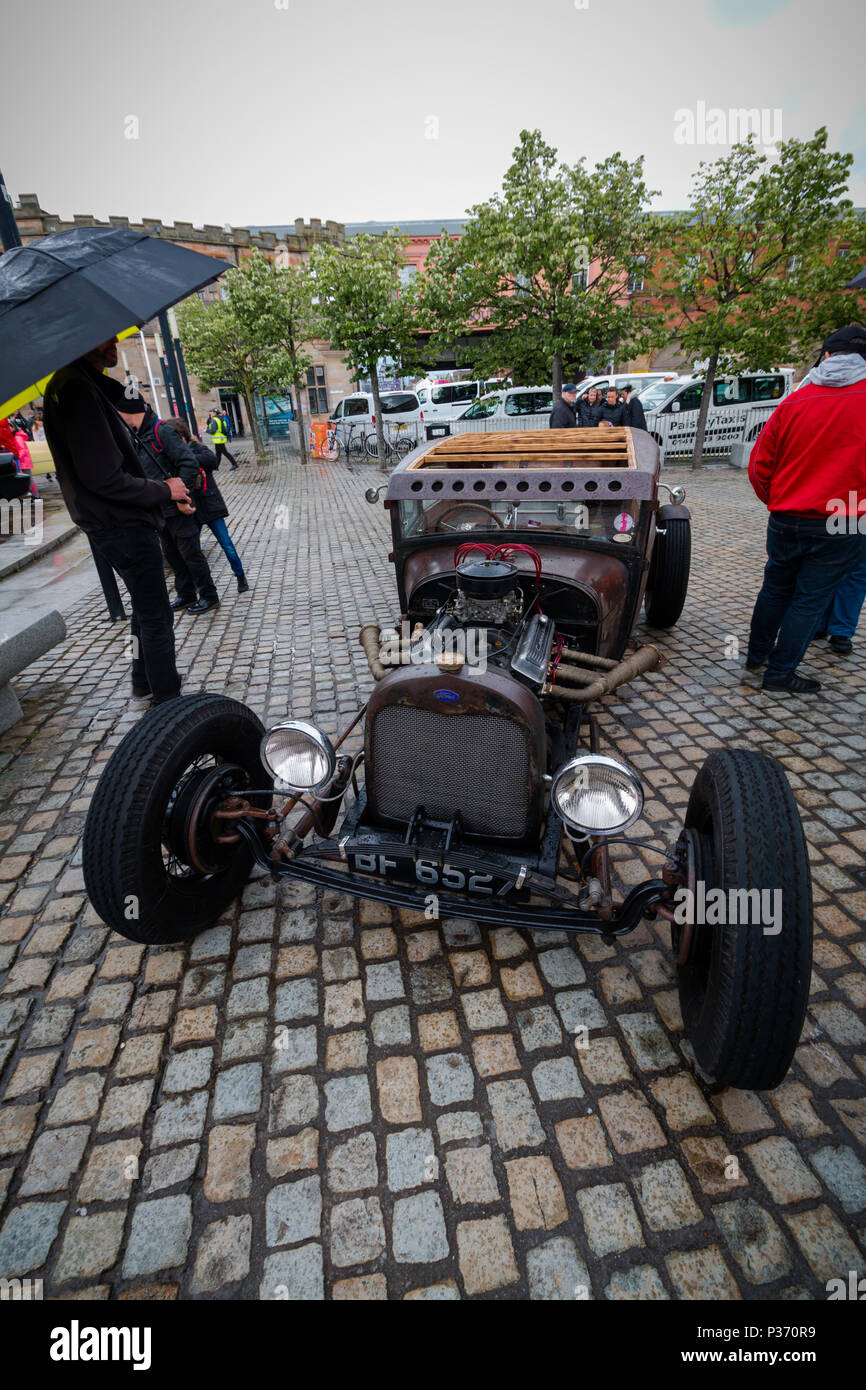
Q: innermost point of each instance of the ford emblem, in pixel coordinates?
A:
(449, 696)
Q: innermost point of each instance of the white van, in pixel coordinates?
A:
(359, 409)
(514, 401)
(740, 408)
(448, 400)
(639, 380)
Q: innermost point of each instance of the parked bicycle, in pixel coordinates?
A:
(399, 442)
(352, 443)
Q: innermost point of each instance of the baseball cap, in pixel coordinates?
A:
(852, 338)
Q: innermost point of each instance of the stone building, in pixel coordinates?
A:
(140, 355)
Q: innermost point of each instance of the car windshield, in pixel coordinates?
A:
(482, 409)
(599, 520)
(655, 396)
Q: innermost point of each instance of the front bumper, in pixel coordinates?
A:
(312, 864)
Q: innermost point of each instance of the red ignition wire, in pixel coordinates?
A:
(501, 552)
(559, 643)
(468, 546)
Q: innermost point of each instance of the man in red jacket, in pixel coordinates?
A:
(809, 467)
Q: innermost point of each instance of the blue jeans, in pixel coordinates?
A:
(805, 566)
(221, 531)
(843, 613)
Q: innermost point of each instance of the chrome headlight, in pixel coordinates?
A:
(299, 755)
(596, 795)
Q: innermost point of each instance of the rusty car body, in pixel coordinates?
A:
(522, 560)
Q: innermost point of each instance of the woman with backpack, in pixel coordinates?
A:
(210, 506)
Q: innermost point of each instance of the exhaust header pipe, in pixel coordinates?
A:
(646, 658)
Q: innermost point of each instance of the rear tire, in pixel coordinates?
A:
(668, 582)
(743, 992)
(136, 872)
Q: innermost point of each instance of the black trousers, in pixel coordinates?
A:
(220, 449)
(134, 553)
(181, 544)
(113, 600)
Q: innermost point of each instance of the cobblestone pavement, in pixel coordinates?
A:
(428, 1129)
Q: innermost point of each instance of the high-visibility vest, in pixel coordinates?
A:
(219, 435)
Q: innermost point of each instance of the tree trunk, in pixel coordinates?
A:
(380, 424)
(299, 390)
(706, 398)
(258, 442)
(557, 376)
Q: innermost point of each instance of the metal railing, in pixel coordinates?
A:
(726, 425)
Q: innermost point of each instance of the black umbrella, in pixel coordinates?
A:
(859, 281)
(64, 294)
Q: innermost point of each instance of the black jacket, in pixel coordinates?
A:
(590, 414)
(100, 474)
(634, 415)
(562, 416)
(614, 413)
(164, 454)
(209, 501)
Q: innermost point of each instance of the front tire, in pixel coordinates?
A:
(744, 989)
(668, 581)
(151, 867)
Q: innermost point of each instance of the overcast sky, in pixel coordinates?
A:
(261, 111)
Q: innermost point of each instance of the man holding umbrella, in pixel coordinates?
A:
(59, 297)
(108, 494)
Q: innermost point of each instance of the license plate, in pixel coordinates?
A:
(429, 873)
(440, 431)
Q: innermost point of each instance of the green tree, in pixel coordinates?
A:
(274, 304)
(749, 266)
(364, 311)
(220, 345)
(545, 264)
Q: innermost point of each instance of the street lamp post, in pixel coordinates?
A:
(9, 234)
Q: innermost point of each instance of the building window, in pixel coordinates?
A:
(317, 391)
(406, 274)
(580, 279)
(636, 277)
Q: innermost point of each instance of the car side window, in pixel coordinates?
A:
(519, 404)
(441, 395)
(542, 401)
(338, 413)
(768, 388)
(482, 410)
(691, 398)
(465, 391)
(736, 392)
(355, 408)
(422, 397)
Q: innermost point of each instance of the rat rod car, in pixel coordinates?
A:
(481, 790)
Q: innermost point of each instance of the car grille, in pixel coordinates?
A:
(474, 764)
